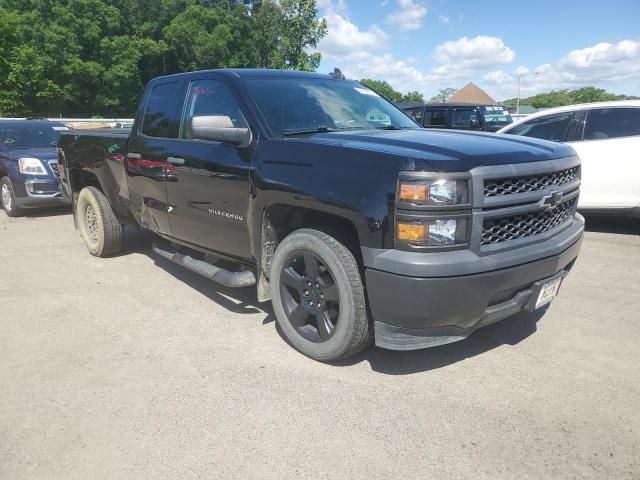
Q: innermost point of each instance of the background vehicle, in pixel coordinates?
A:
(28, 165)
(335, 204)
(459, 116)
(606, 136)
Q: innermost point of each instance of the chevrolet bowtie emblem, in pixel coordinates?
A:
(552, 200)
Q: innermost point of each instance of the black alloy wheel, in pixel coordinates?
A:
(310, 297)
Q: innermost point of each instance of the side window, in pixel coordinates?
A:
(211, 98)
(603, 123)
(551, 127)
(162, 112)
(416, 113)
(435, 118)
(462, 118)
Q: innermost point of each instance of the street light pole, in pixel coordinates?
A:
(518, 100)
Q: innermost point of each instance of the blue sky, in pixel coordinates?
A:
(430, 44)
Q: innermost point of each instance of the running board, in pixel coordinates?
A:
(245, 278)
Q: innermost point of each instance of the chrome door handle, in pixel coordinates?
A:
(134, 156)
(175, 160)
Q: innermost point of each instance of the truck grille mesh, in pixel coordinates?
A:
(502, 229)
(532, 183)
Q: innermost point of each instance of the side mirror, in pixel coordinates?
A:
(219, 128)
(474, 123)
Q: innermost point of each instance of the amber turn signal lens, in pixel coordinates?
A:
(414, 192)
(413, 232)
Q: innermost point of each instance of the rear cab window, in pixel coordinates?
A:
(615, 122)
(435, 117)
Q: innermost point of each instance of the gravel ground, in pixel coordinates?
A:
(133, 368)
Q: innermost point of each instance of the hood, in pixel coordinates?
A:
(446, 150)
(44, 153)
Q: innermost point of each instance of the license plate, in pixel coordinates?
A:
(548, 292)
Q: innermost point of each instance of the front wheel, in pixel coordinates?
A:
(318, 296)
(99, 226)
(8, 198)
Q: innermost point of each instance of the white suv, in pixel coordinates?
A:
(606, 136)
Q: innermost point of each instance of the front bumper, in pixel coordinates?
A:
(422, 309)
(40, 192)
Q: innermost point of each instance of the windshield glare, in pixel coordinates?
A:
(496, 114)
(29, 136)
(308, 104)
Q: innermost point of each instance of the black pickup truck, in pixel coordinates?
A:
(355, 222)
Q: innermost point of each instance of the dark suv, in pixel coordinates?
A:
(459, 116)
(28, 165)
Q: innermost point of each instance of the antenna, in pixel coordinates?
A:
(337, 74)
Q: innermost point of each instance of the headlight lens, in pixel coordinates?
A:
(437, 232)
(31, 166)
(439, 191)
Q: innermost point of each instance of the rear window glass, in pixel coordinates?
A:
(435, 118)
(161, 115)
(606, 123)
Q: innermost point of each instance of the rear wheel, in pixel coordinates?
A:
(8, 198)
(100, 228)
(318, 297)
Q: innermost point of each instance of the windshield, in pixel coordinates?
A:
(300, 105)
(496, 114)
(29, 136)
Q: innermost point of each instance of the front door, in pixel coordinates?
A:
(209, 188)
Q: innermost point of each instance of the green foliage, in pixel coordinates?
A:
(443, 95)
(93, 57)
(568, 97)
(383, 88)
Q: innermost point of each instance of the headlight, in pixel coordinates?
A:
(434, 192)
(31, 166)
(432, 232)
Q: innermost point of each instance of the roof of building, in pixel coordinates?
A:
(471, 93)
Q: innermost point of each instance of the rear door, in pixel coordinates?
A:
(610, 155)
(209, 187)
(149, 149)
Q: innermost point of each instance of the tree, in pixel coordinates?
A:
(383, 88)
(557, 98)
(94, 57)
(443, 95)
(413, 96)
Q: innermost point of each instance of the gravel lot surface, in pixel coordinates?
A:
(133, 368)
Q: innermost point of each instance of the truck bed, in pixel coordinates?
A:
(96, 156)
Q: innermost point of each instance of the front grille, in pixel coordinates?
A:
(531, 183)
(54, 166)
(502, 229)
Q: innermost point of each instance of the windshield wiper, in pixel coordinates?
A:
(392, 127)
(287, 133)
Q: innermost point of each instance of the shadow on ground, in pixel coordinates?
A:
(612, 224)
(47, 212)
(243, 301)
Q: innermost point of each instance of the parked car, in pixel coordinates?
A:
(355, 222)
(459, 116)
(28, 165)
(606, 136)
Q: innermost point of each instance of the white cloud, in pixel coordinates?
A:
(603, 61)
(477, 52)
(408, 16)
(498, 77)
(344, 37)
(444, 19)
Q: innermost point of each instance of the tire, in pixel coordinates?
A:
(320, 310)
(100, 228)
(8, 198)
